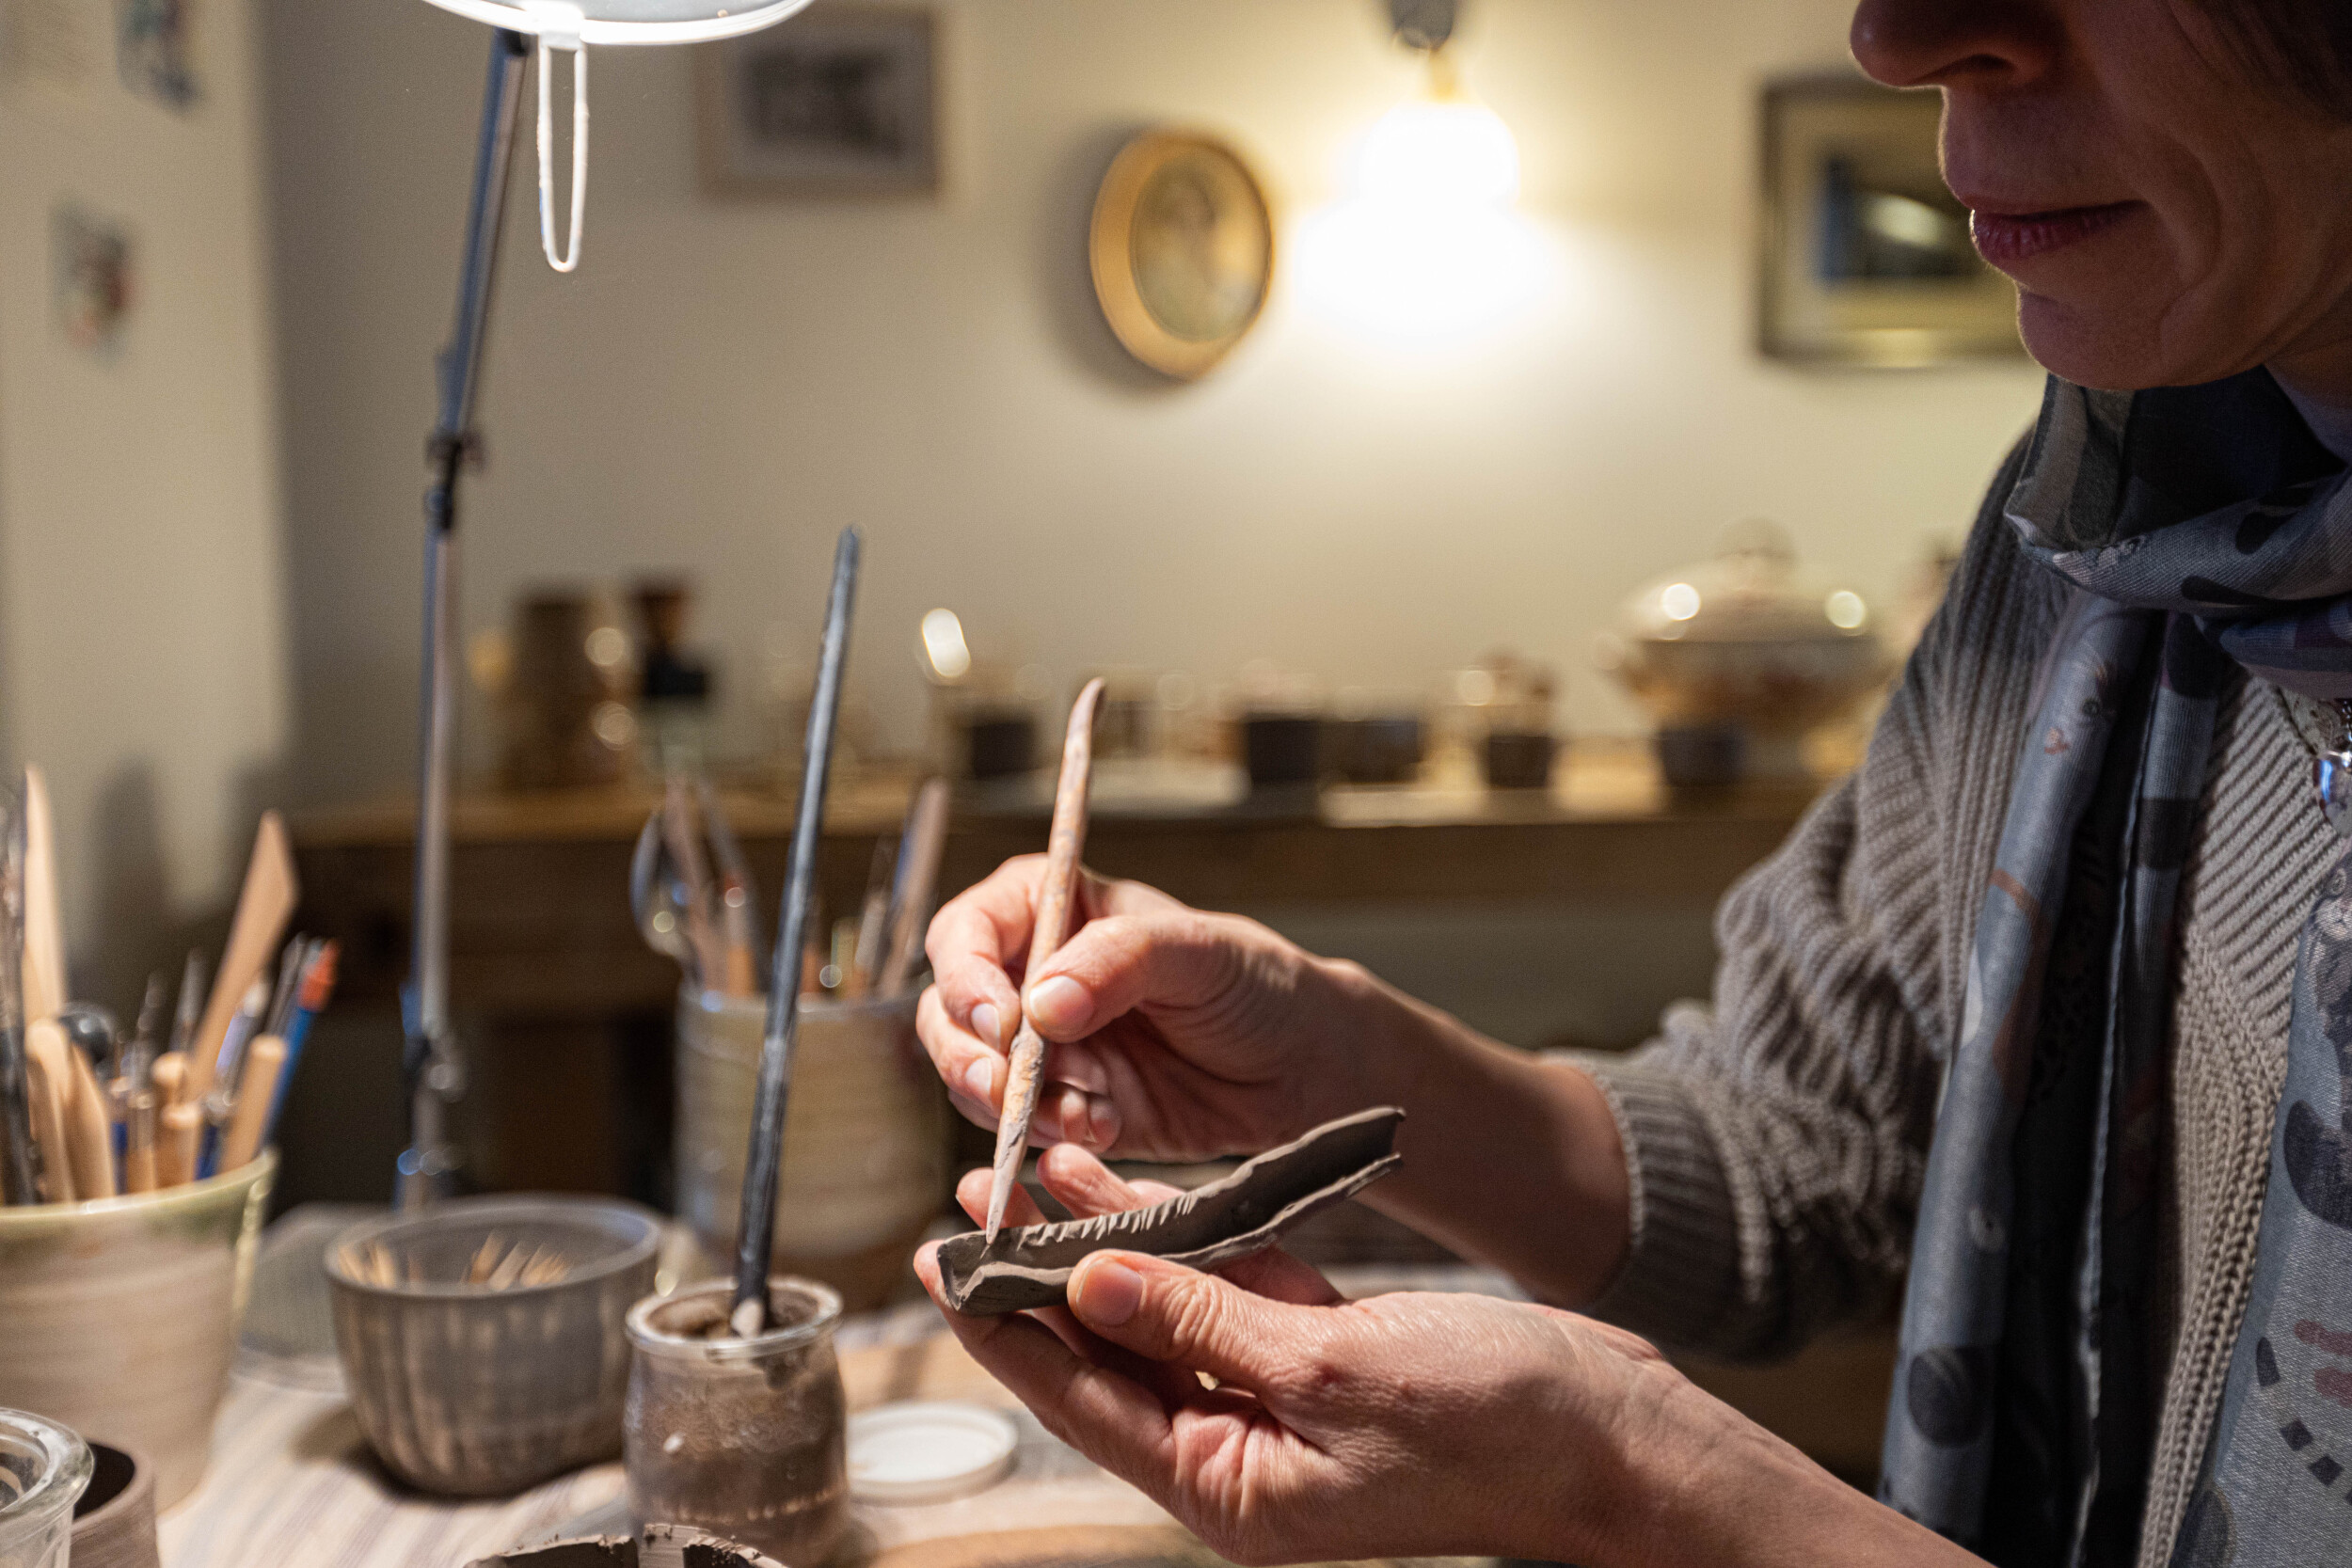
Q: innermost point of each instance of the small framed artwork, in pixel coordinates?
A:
(1867, 258)
(1181, 249)
(842, 100)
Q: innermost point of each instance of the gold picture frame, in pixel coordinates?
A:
(1866, 258)
(1183, 250)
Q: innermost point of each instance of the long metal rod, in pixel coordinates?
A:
(433, 1067)
(756, 1237)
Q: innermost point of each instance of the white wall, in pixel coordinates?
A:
(142, 644)
(722, 387)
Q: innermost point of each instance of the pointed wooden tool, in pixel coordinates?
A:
(1064, 845)
(263, 908)
(44, 927)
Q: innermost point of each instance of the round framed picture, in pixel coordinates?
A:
(1183, 250)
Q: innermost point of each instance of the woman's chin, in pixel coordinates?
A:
(2116, 351)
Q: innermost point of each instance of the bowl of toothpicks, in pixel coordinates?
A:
(483, 1341)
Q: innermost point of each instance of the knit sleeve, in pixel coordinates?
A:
(1776, 1139)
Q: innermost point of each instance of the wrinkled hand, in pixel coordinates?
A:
(1401, 1425)
(1171, 1033)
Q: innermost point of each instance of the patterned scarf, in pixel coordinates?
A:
(2200, 526)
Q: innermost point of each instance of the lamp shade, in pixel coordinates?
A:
(602, 22)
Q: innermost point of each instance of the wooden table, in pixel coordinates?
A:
(565, 1013)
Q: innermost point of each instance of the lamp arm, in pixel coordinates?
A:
(433, 1071)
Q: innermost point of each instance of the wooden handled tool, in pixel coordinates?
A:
(1064, 845)
(263, 910)
(919, 849)
(49, 1082)
(264, 1065)
(89, 1131)
(179, 1133)
(44, 929)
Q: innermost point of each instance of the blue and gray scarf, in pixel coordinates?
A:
(2201, 527)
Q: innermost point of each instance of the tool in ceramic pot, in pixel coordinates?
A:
(873, 923)
(763, 1161)
(697, 899)
(89, 1124)
(49, 1083)
(19, 1162)
(263, 908)
(43, 936)
(739, 895)
(1025, 1076)
(911, 890)
(310, 997)
(653, 901)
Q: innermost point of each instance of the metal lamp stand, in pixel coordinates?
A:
(434, 1070)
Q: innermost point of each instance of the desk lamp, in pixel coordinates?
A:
(431, 1061)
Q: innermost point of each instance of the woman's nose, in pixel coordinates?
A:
(1930, 43)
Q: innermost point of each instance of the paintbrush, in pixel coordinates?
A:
(1025, 1073)
(763, 1161)
(19, 1165)
(917, 878)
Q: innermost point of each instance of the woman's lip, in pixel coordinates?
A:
(2005, 238)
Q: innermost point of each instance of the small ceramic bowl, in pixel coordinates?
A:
(469, 1390)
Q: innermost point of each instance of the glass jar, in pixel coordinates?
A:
(44, 1469)
(744, 1438)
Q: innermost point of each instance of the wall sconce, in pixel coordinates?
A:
(1426, 251)
(1441, 145)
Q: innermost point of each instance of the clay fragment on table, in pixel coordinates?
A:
(1226, 1221)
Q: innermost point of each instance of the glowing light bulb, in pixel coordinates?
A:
(1440, 151)
(1681, 601)
(944, 645)
(1846, 610)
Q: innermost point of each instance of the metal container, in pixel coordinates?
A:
(865, 1137)
(44, 1469)
(119, 1317)
(469, 1390)
(745, 1439)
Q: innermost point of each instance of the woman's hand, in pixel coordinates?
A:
(1404, 1425)
(1173, 1033)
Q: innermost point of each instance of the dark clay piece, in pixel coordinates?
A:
(1226, 1221)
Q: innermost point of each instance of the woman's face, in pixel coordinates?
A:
(2170, 217)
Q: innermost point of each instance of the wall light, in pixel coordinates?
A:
(1427, 250)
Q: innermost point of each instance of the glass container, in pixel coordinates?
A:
(44, 1469)
(745, 1439)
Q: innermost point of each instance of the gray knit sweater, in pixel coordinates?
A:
(1776, 1139)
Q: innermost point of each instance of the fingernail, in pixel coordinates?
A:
(1102, 1121)
(1060, 1004)
(979, 1079)
(986, 1022)
(1108, 1293)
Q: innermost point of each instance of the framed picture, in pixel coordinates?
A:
(1181, 248)
(842, 100)
(1867, 258)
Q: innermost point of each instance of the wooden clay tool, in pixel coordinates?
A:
(257, 1092)
(263, 910)
(919, 849)
(44, 929)
(49, 1080)
(89, 1128)
(763, 1161)
(1025, 1075)
(20, 1162)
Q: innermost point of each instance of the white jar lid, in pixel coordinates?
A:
(929, 1452)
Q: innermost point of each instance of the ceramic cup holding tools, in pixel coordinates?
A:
(745, 1439)
(44, 1470)
(865, 1144)
(121, 1314)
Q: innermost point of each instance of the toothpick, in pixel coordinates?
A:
(1025, 1073)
